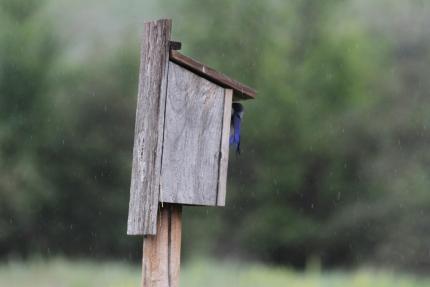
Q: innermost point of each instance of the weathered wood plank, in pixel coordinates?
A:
(193, 126)
(224, 148)
(162, 252)
(148, 137)
(241, 91)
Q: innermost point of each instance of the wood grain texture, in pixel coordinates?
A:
(148, 137)
(224, 148)
(241, 91)
(162, 252)
(193, 127)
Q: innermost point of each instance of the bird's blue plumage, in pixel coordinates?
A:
(236, 120)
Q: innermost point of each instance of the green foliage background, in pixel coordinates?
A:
(335, 163)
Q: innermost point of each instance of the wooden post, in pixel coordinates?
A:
(162, 252)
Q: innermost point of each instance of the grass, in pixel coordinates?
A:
(63, 273)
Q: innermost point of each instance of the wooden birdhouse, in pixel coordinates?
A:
(182, 129)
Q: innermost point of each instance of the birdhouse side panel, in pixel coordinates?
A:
(192, 139)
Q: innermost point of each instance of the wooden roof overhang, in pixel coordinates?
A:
(240, 91)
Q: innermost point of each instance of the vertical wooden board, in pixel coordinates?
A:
(148, 137)
(192, 136)
(223, 163)
(162, 252)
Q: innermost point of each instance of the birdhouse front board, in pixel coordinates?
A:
(182, 127)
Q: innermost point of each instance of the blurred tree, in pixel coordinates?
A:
(65, 141)
(27, 52)
(335, 157)
(91, 154)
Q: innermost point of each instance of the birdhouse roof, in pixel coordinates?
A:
(240, 91)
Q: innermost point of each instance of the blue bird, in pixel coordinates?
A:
(236, 119)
